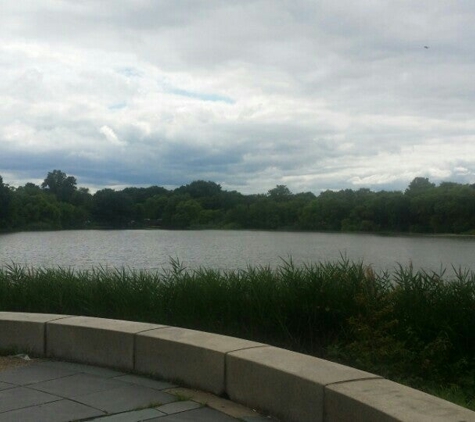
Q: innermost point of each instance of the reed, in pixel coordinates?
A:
(415, 327)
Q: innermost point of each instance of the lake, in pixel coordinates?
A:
(225, 249)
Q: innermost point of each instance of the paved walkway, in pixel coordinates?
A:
(52, 391)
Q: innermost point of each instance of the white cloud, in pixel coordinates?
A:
(111, 136)
(251, 94)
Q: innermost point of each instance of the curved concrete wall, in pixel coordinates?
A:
(291, 386)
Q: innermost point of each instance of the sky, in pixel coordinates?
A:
(250, 94)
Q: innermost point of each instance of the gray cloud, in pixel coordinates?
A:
(315, 95)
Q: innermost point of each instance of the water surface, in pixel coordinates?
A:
(223, 249)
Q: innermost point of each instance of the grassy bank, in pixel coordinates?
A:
(413, 327)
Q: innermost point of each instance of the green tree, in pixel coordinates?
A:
(238, 217)
(208, 194)
(186, 214)
(60, 184)
(5, 205)
(112, 208)
(200, 189)
(328, 210)
(82, 198)
(264, 214)
(211, 218)
(140, 195)
(35, 210)
(418, 186)
(73, 217)
(454, 208)
(280, 193)
(155, 206)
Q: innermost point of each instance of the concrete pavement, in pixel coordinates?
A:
(55, 391)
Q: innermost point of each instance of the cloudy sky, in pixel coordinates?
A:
(313, 94)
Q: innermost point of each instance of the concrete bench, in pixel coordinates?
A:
(288, 385)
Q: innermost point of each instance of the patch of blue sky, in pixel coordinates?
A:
(130, 72)
(200, 95)
(117, 106)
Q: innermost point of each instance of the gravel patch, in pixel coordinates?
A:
(8, 362)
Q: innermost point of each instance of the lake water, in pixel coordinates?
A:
(222, 249)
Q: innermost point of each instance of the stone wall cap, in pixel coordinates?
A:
(131, 327)
(303, 366)
(215, 342)
(30, 317)
(397, 402)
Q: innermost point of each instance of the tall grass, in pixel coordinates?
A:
(412, 326)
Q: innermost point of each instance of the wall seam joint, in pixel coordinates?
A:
(45, 332)
(375, 377)
(152, 329)
(246, 348)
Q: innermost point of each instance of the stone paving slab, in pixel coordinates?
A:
(145, 382)
(80, 368)
(126, 398)
(6, 386)
(77, 385)
(32, 374)
(179, 406)
(54, 391)
(182, 411)
(134, 416)
(16, 398)
(58, 411)
(204, 414)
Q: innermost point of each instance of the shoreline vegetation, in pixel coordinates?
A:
(58, 204)
(414, 327)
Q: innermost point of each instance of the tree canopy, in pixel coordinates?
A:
(59, 204)
(60, 184)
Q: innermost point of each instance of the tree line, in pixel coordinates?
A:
(60, 204)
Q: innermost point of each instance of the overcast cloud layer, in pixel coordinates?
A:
(312, 94)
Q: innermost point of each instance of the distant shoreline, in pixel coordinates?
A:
(376, 233)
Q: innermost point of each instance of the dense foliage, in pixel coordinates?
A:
(413, 327)
(59, 204)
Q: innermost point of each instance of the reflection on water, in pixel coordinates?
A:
(152, 249)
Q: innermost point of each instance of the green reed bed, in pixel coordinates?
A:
(411, 326)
